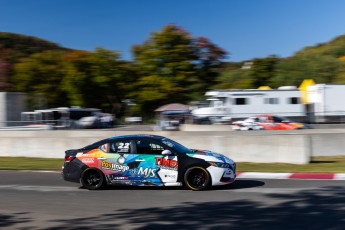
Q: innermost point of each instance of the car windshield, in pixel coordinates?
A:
(280, 119)
(177, 146)
(251, 119)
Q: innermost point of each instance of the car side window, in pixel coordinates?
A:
(143, 147)
(105, 147)
(147, 147)
(123, 146)
(263, 119)
(277, 119)
(157, 149)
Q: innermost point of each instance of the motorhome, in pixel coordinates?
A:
(229, 105)
(326, 102)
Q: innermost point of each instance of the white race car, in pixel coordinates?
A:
(251, 123)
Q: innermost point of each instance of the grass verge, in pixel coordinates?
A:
(30, 163)
(334, 164)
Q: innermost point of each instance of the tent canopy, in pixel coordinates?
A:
(172, 107)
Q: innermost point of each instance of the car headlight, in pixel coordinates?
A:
(220, 164)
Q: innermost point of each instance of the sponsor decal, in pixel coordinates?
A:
(114, 167)
(114, 177)
(123, 148)
(88, 160)
(145, 172)
(170, 176)
(123, 182)
(164, 163)
(121, 178)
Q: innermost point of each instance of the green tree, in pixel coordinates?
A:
(235, 79)
(165, 67)
(4, 70)
(263, 70)
(13, 48)
(208, 63)
(174, 67)
(42, 74)
(97, 79)
(340, 78)
(292, 71)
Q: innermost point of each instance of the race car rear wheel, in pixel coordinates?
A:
(92, 179)
(197, 178)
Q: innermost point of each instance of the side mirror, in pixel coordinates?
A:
(166, 152)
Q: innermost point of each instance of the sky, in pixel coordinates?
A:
(246, 29)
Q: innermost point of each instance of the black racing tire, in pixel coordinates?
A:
(92, 179)
(197, 178)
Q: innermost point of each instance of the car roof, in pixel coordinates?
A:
(264, 115)
(101, 142)
(157, 137)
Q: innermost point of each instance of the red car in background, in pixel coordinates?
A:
(267, 122)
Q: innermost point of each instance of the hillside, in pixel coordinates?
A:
(323, 62)
(320, 62)
(22, 46)
(13, 47)
(334, 48)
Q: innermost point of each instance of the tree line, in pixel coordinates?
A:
(170, 66)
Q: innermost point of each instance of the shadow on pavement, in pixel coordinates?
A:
(241, 184)
(309, 209)
(238, 184)
(10, 220)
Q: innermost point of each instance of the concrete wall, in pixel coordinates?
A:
(328, 144)
(251, 148)
(264, 148)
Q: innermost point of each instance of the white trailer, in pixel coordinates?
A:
(226, 105)
(327, 102)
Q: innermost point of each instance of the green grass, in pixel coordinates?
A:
(318, 164)
(334, 164)
(30, 163)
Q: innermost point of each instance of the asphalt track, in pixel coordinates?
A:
(37, 200)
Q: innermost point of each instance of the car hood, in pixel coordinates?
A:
(210, 156)
(298, 125)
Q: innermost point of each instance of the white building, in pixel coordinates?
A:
(327, 101)
(11, 106)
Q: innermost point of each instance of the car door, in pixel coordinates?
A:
(113, 161)
(150, 166)
(279, 124)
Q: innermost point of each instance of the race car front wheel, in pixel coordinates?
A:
(197, 178)
(92, 179)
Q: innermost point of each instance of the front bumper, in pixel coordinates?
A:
(221, 176)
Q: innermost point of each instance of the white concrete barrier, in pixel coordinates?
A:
(328, 144)
(252, 148)
(293, 149)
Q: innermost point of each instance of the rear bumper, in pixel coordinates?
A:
(72, 171)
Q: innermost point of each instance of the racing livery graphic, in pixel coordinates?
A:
(146, 160)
